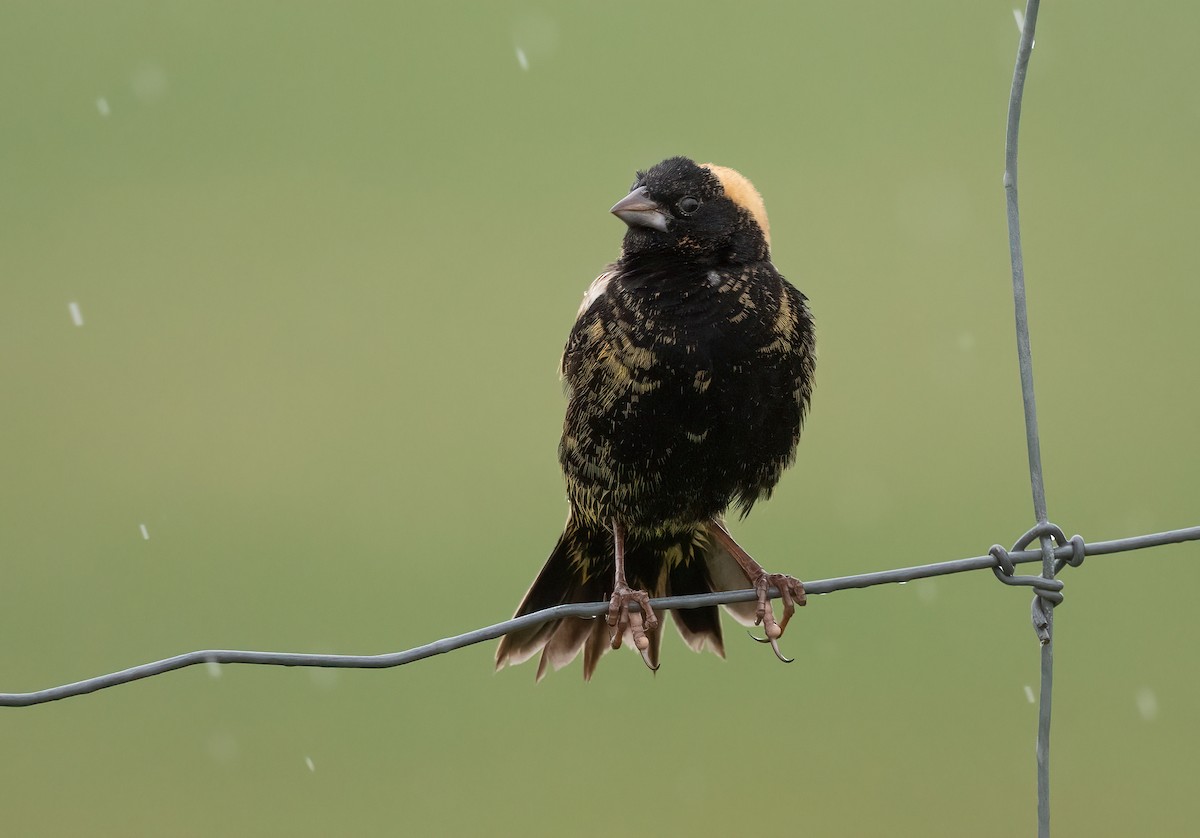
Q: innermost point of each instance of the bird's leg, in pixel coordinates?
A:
(790, 590)
(620, 616)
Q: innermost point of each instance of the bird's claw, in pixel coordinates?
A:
(637, 621)
(774, 646)
(791, 591)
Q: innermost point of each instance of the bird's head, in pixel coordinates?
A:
(703, 212)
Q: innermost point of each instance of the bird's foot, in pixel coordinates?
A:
(637, 620)
(791, 590)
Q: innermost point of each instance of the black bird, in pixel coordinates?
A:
(688, 373)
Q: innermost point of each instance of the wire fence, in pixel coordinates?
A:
(1053, 549)
(999, 560)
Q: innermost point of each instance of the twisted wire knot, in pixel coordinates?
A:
(1048, 590)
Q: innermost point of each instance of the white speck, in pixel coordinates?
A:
(1147, 703)
(714, 279)
(1019, 17)
(102, 106)
(311, 766)
(145, 532)
(76, 314)
(149, 83)
(534, 38)
(1029, 694)
(214, 669)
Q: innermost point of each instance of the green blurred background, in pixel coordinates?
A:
(326, 257)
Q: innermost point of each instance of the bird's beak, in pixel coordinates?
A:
(637, 210)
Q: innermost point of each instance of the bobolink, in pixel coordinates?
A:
(688, 372)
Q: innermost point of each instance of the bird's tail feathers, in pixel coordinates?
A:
(559, 582)
(580, 569)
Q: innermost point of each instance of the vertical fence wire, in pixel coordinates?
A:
(1043, 610)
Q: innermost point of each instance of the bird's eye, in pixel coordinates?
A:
(688, 205)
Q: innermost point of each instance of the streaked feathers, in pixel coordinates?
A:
(688, 373)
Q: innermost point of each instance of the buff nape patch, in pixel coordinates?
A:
(741, 191)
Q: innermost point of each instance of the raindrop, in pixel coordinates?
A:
(149, 83)
(76, 314)
(535, 37)
(1147, 704)
(1029, 694)
(102, 106)
(309, 762)
(145, 532)
(1019, 17)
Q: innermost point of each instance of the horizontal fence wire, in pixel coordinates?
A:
(1064, 554)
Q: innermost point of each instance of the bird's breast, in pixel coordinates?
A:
(682, 394)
